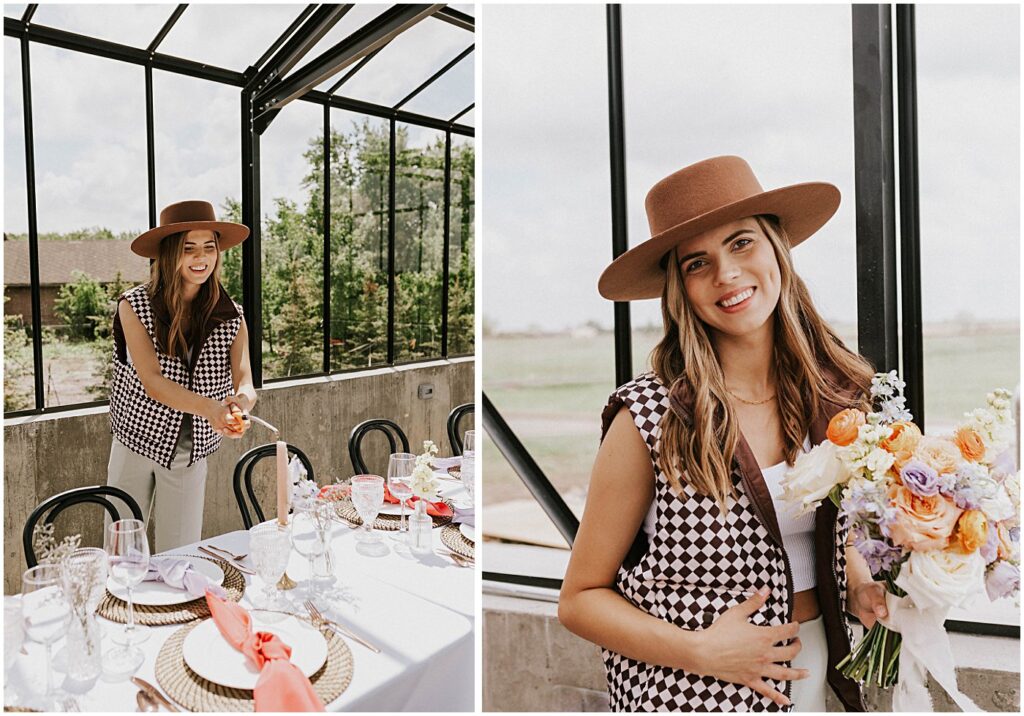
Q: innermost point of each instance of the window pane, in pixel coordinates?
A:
(360, 153)
(419, 241)
(133, 25)
(91, 178)
(291, 152)
(15, 10)
(449, 94)
(229, 36)
(468, 119)
(461, 281)
(353, 20)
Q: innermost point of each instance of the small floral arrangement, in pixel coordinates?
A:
(936, 518)
(423, 483)
(47, 549)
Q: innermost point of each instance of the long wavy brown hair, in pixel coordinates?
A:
(166, 279)
(685, 360)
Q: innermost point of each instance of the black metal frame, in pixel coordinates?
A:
(265, 79)
(877, 305)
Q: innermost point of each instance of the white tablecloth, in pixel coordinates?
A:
(418, 609)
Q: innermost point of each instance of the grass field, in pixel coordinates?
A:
(551, 389)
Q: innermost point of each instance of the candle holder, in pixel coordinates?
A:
(285, 582)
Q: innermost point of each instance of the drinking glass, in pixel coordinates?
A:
(270, 546)
(44, 613)
(469, 476)
(127, 550)
(84, 577)
(368, 497)
(469, 443)
(400, 467)
(309, 535)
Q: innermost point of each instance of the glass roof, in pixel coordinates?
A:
(355, 18)
(449, 94)
(14, 9)
(468, 119)
(133, 25)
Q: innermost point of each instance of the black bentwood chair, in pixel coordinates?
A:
(391, 431)
(454, 417)
(50, 508)
(243, 474)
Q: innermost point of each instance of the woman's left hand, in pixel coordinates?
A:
(239, 399)
(866, 601)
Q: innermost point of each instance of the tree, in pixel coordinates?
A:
(81, 304)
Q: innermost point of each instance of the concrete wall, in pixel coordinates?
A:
(532, 663)
(44, 455)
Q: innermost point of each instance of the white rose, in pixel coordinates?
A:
(942, 578)
(998, 506)
(812, 477)
(879, 461)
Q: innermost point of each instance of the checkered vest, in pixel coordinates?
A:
(150, 428)
(698, 563)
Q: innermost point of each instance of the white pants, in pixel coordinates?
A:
(174, 497)
(809, 694)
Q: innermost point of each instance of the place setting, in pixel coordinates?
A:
(460, 537)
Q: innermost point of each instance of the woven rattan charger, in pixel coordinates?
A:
(453, 539)
(197, 694)
(116, 610)
(388, 523)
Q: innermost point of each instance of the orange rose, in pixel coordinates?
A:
(843, 427)
(1006, 547)
(939, 454)
(972, 447)
(922, 523)
(971, 531)
(901, 443)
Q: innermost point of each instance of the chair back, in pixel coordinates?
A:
(243, 476)
(454, 418)
(50, 508)
(391, 431)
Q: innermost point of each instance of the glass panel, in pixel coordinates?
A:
(406, 61)
(354, 19)
(15, 10)
(133, 25)
(291, 152)
(468, 119)
(449, 94)
(91, 178)
(803, 112)
(546, 368)
(461, 240)
(198, 154)
(359, 240)
(419, 241)
(468, 9)
(19, 392)
(228, 36)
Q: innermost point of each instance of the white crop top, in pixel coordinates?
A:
(797, 532)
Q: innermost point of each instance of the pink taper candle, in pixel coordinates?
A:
(282, 483)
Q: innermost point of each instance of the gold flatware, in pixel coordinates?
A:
(154, 693)
(210, 553)
(146, 702)
(232, 555)
(318, 619)
(457, 558)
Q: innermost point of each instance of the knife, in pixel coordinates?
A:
(154, 692)
(233, 563)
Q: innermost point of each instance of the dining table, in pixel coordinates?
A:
(416, 608)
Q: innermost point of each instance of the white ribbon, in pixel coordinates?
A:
(925, 651)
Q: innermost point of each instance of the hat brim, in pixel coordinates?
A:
(802, 209)
(229, 234)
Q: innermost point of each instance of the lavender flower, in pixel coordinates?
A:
(879, 555)
(1002, 580)
(920, 479)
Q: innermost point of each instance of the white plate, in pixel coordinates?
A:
(210, 655)
(388, 509)
(468, 531)
(160, 594)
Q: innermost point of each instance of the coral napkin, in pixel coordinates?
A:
(435, 509)
(281, 686)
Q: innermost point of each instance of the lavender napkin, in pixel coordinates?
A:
(180, 574)
(464, 515)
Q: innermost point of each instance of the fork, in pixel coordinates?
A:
(318, 619)
(70, 705)
(458, 559)
(233, 556)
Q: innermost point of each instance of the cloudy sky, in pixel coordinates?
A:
(89, 112)
(770, 83)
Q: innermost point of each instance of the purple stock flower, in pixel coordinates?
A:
(920, 479)
(966, 497)
(990, 550)
(1002, 580)
(879, 555)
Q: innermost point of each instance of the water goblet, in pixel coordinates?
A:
(127, 548)
(367, 497)
(469, 477)
(45, 614)
(469, 443)
(310, 537)
(400, 468)
(270, 546)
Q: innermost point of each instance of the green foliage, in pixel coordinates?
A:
(82, 305)
(17, 363)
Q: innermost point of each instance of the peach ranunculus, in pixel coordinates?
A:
(972, 447)
(939, 454)
(844, 425)
(921, 523)
(971, 531)
(901, 443)
(1007, 548)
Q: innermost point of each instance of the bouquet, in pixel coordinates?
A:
(935, 517)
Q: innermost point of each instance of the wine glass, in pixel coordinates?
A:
(270, 546)
(469, 476)
(368, 497)
(400, 467)
(469, 443)
(127, 549)
(45, 613)
(309, 532)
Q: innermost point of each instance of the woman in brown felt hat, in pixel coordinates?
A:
(702, 588)
(181, 374)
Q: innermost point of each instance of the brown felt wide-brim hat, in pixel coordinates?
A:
(700, 197)
(186, 216)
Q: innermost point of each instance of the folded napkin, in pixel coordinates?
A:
(464, 516)
(388, 497)
(281, 685)
(180, 574)
(443, 463)
(434, 509)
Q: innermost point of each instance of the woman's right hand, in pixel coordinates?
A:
(220, 418)
(739, 652)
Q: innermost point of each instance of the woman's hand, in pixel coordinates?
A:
(223, 422)
(241, 400)
(739, 652)
(866, 601)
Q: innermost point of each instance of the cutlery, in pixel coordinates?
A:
(70, 705)
(146, 702)
(458, 559)
(319, 619)
(229, 554)
(237, 566)
(154, 693)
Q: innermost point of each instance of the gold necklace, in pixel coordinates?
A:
(750, 402)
